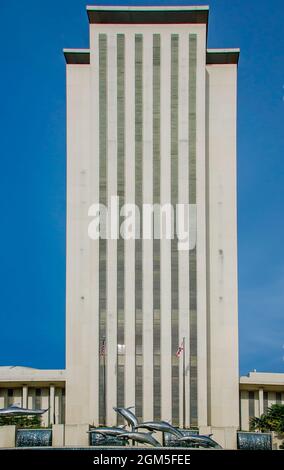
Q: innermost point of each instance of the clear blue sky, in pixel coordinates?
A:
(32, 177)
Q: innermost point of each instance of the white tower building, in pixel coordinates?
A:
(151, 118)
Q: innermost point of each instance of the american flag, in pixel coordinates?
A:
(103, 347)
(180, 350)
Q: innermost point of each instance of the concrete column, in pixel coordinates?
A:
(58, 397)
(256, 405)
(94, 197)
(45, 406)
(25, 396)
(222, 247)
(226, 437)
(58, 435)
(3, 393)
(7, 436)
(51, 404)
(78, 309)
(244, 411)
(76, 435)
(201, 231)
(261, 404)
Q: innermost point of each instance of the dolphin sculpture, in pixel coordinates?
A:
(205, 441)
(142, 437)
(161, 426)
(105, 431)
(18, 411)
(128, 416)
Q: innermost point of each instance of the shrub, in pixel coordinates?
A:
(21, 421)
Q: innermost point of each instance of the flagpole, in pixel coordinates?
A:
(103, 351)
(183, 383)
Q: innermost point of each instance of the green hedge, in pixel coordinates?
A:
(21, 421)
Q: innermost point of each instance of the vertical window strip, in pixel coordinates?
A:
(251, 404)
(120, 241)
(10, 397)
(63, 403)
(138, 202)
(265, 402)
(103, 200)
(156, 243)
(174, 247)
(193, 253)
(278, 398)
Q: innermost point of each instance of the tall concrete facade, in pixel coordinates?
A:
(151, 118)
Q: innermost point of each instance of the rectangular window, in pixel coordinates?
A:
(156, 200)
(278, 398)
(63, 407)
(174, 247)
(120, 241)
(38, 399)
(251, 405)
(10, 400)
(265, 402)
(138, 202)
(192, 253)
(103, 200)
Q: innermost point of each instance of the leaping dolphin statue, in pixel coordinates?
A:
(161, 426)
(105, 431)
(202, 440)
(15, 410)
(142, 437)
(128, 415)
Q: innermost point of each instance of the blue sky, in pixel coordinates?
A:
(32, 176)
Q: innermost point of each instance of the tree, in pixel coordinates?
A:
(272, 420)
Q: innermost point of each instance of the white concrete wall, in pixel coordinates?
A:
(222, 245)
(201, 227)
(7, 437)
(78, 287)
(58, 435)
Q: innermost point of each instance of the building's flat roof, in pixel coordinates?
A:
(266, 380)
(222, 56)
(148, 15)
(213, 56)
(17, 375)
(147, 8)
(77, 56)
